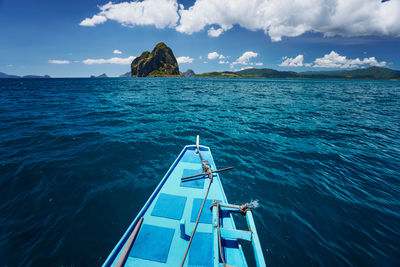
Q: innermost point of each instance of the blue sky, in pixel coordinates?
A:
(79, 38)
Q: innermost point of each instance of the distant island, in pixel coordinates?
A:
(100, 76)
(189, 73)
(371, 73)
(160, 62)
(6, 76)
(128, 74)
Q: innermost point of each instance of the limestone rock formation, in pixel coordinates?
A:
(160, 62)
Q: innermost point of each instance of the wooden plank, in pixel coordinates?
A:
(128, 245)
(236, 234)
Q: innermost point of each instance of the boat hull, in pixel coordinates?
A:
(169, 218)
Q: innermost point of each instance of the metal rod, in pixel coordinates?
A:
(203, 173)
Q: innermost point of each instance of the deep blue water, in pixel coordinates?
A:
(79, 158)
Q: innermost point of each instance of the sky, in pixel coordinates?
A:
(79, 38)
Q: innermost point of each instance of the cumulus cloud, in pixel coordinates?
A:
(212, 55)
(276, 18)
(215, 32)
(215, 55)
(245, 58)
(56, 61)
(244, 68)
(116, 51)
(114, 60)
(90, 22)
(279, 18)
(292, 62)
(184, 60)
(159, 13)
(334, 60)
(223, 62)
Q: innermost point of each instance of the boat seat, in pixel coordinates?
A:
(152, 243)
(197, 182)
(201, 253)
(191, 157)
(169, 206)
(206, 214)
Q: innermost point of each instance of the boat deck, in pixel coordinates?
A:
(173, 204)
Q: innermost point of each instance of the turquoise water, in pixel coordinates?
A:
(79, 158)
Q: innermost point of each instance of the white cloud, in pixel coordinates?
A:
(93, 21)
(184, 60)
(215, 55)
(114, 60)
(55, 61)
(334, 60)
(277, 18)
(212, 55)
(244, 68)
(292, 62)
(245, 58)
(223, 62)
(116, 51)
(215, 32)
(10, 65)
(159, 13)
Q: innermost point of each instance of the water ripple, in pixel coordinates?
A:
(79, 158)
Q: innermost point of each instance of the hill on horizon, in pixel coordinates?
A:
(373, 73)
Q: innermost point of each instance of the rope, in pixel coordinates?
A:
(242, 208)
(219, 237)
(208, 171)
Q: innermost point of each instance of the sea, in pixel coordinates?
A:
(79, 158)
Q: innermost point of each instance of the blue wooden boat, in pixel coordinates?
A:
(187, 220)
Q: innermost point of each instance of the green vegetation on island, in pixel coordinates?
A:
(371, 73)
(160, 62)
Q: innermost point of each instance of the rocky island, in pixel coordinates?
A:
(160, 62)
(189, 73)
